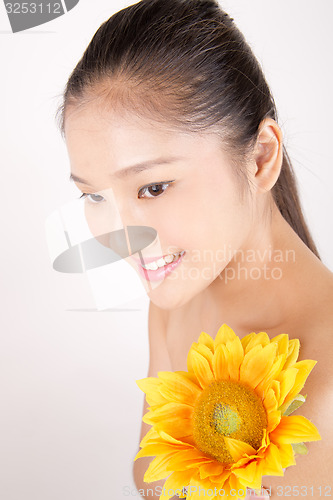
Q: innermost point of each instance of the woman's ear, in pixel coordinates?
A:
(268, 155)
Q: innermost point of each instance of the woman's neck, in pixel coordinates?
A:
(262, 286)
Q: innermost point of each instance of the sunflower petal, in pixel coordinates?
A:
(304, 368)
(179, 428)
(287, 455)
(236, 356)
(295, 429)
(150, 386)
(224, 334)
(272, 462)
(257, 364)
(178, 388)
(293, 352)
(169, 439)
(204, 351)
(287, 381)
(210, 469)
(260, 338)
(250, 475)
(187, 459)
(151, 437)
(199, 365)
(167, 411)
(246, 340)
(269, 401)
(273, 418)
(163, 440)
(272, 374)
(154, 437)
(177, 481)
(235, 486)
(238, 449)
(220, 363)
(157, 469)
(152, 450)
(282, 342)
(220, 479)
(275, 385)
(273, 414)
(199, 489)
(206, 340)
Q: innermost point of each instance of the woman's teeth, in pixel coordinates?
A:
(163, 261)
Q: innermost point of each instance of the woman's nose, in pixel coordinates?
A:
(133, 232)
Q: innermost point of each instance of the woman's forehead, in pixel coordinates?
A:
(100, 128)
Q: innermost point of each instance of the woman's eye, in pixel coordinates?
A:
(93, 198)
(153, 190)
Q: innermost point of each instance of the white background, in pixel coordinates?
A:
(70, 408)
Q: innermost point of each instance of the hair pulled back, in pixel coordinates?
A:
(185, 61)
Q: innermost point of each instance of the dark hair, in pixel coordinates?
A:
(185, 61)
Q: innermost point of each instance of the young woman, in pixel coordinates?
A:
(169, 108)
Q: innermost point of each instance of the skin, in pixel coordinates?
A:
(205, 208)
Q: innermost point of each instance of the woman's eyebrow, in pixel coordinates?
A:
(134, 169)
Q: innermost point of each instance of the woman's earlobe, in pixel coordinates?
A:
(268, 155)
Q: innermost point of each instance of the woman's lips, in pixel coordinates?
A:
(160, 273)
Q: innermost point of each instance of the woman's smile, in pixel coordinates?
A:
(156, 269)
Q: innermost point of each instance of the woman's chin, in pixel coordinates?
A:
(164, 299)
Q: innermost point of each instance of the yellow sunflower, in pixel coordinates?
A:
(226, 422)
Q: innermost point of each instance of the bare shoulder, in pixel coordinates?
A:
(318, 312)
(324, 292)
(315, 331)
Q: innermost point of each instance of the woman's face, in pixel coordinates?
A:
(181, 184)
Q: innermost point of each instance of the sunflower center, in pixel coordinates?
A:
(228, 409)
(226, 420)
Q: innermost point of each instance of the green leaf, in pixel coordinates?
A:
(292, 405)
(300, 448)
